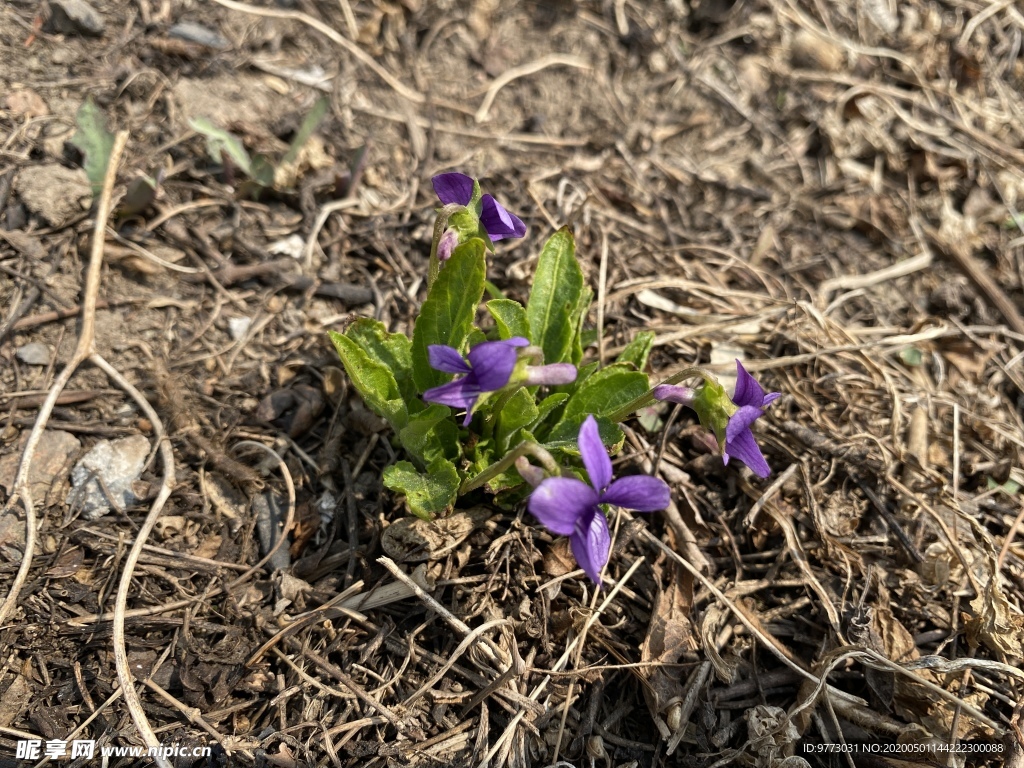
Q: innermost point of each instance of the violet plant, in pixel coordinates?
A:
(472, 404)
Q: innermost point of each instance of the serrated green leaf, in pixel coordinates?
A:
(392, 350)
(430, 435)
(373, 380)
(316, 114)
(638, 350)
(220, 142)
(510, 318)
(605, 391)
(552, 311)
(94, 141)
(426, 494)
(520, 411)
(446, 317)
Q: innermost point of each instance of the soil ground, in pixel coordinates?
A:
(828, 191)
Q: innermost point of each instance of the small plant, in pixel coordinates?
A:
(261, 171)
(471, 406)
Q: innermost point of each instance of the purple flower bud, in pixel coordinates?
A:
(569, 507)
(447, 244)
(672, 393)
(555, 373)
(531, 474)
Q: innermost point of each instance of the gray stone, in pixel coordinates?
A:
(34, 353)
(106, 474)
(197, 33)
(56, 193)
(74, 17)
(53, 452)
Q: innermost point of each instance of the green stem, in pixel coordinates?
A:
(646, 399)
(525, 448)
(499, 403)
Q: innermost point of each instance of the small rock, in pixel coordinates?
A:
(34, 353)
(293, 246)
(238, 327)
(26, 103)
(106, 473)
(74, 17)
(55, 193)
(52, 452)
(197, 33)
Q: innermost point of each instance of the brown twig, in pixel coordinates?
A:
(82, 350)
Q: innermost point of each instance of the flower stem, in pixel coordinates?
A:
(499, 403)
(646, 399)
(525, 448)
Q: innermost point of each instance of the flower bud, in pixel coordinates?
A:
(447, 244)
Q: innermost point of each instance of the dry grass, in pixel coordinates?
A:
(828, 191)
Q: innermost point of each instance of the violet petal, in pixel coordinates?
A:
(748, 391)
(594, 454)
(641, 493)
(740, 443)
(498, 222)
(457, 394)
(453, 188)
(493, 362)
(446, 359)
(591, 542)
(770, 398)
(559, 502)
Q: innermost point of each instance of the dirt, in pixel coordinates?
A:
(827, 191)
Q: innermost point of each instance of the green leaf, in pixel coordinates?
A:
(520, 411)
(564, 436)
(262, 170)
(581, 337)
(219, 143)
(446, 317)
(392, 350)
(510, 318)
(373, 380)
(911, 356)
(316, 114)
(605, 391)
(431, 435)
(547, 406)
(426, 494)
(638, 350)
(94, 141)
(552, 311)
(494, 291)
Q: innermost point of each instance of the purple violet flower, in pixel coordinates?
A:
(569, 507)
(490, 366)
(457, 188)
(729, 420)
